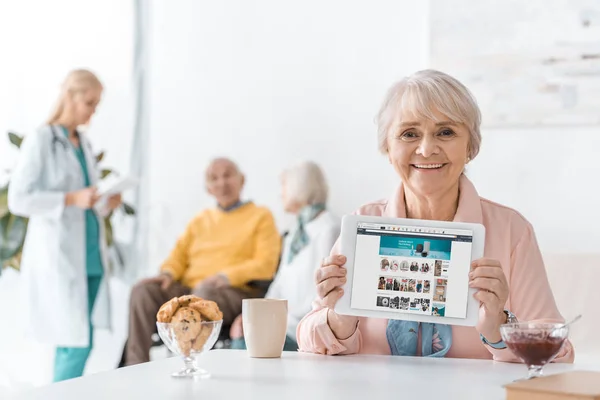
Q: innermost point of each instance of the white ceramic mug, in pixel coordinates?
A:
(265, 325)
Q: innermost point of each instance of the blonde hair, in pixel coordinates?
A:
(77, 81)
(421, 94)
(305, 183)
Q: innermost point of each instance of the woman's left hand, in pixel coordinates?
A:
(487, 276)
(114, 201)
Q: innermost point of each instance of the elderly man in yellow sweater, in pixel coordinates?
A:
(221, 251)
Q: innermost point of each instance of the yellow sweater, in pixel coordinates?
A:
(242, 244)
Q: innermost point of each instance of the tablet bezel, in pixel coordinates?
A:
(348, 247)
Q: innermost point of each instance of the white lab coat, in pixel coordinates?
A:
(53, 267)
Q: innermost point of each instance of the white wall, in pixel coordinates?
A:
(550, 175)
(42, 41)
(269, 83)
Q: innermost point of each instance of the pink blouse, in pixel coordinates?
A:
(509, 239)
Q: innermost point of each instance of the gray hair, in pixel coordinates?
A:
(305, 183)
(423, 92)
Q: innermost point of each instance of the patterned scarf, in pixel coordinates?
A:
(402, 337)
(300, 238)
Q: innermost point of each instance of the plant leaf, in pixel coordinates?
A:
(99, 157)
(109, 231)
(105, 173)
(15, 139)
(13, 229)
(14, 262)
(129, 210)
(3, 201)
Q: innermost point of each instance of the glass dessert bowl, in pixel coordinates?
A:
(535, 343)
(189, 341)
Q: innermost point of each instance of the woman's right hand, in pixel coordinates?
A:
(84, 198)
(329, 278)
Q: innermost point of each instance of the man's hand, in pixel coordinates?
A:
(216, 281)
(165, 280)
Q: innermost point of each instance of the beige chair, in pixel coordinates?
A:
(575, 282)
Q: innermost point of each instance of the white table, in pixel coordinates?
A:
(299, 376)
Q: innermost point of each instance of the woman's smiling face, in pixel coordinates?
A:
(429, 155)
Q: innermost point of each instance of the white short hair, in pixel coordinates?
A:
(421, 94)
(305, 183)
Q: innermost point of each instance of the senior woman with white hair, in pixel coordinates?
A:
(304, 194)
(429, 130)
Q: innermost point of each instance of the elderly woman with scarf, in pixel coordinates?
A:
(304, 194)
(429, 130)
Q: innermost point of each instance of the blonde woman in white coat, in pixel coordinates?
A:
(64, 258)
(304, 194)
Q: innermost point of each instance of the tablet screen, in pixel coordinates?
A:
(412, 269)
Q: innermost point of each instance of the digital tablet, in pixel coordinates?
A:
(410, 269)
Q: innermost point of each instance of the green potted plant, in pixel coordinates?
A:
(14, 228)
